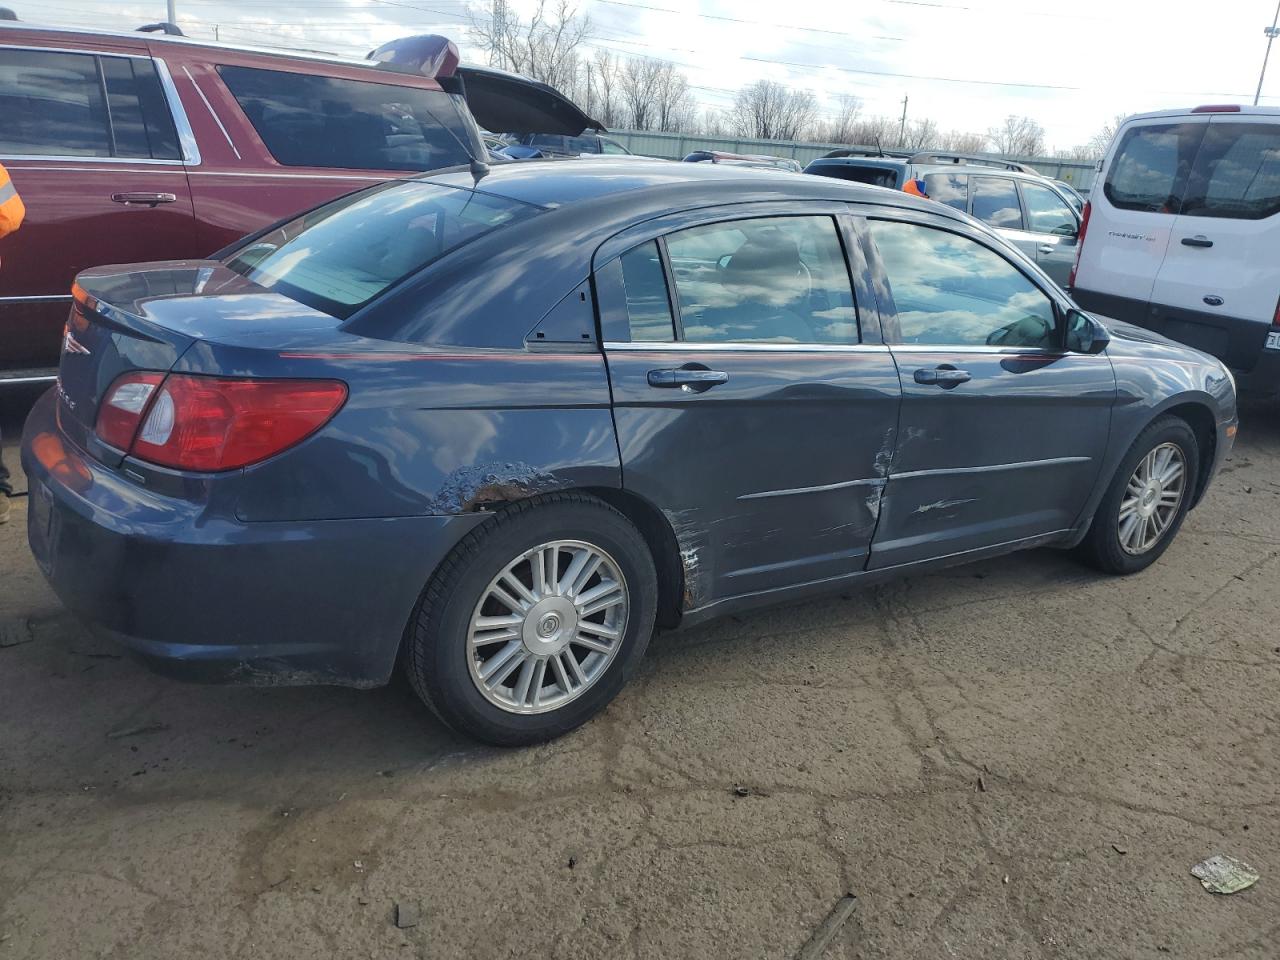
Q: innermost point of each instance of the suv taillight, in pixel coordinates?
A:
(1084, 226)
(212, 423)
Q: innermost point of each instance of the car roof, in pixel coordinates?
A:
(1209, 111)
(557, 183)
(978, 170)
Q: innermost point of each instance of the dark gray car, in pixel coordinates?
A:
(495, 431)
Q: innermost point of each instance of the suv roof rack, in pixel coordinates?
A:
(933, 156)
(866, 152)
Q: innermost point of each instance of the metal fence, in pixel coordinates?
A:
(675, 146)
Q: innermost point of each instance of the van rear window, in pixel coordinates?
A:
(875, 176)
(342, 255)
(307, 120)
(1236, 173)
(1151, 166)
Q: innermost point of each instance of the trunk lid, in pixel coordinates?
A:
(145, 317)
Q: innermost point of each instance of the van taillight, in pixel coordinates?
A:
(213, 423)
(1275, 318)
(1084, 226)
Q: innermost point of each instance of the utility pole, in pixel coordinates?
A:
(902, 128)
(1272, 32)
(172, 12)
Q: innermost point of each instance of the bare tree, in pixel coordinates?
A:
(921, 134)
(1101, 140)
(770, 111)
(717, 123)
(545, 47)
(597, 89)
(844, 125)
(655, 95)
(960, 141)
(875, 132)
(1017, 137)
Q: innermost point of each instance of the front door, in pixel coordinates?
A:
(1055, 226)
(747, 408)
(93, 150)
(1002, 431)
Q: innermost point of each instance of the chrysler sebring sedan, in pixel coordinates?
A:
(491, 428)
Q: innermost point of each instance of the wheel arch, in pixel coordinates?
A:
(1200, 418)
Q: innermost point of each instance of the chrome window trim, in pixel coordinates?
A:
(6, 381)
(981, 349)
(171, 97)
(727, 347)
(187, 143)
(213, 113)
(38, 298)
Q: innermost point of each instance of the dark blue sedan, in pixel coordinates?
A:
(495, 430)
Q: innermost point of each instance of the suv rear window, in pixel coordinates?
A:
(344, 254)
(876, 176)
(1236, 173)
(1151, 165)
(307, 120)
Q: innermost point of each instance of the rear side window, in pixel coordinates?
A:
(949, 188)
(995, 201)
(82, 105)
(347, 252)
(645, 285)
(770, 280)
(1236, 173)
(1151, 165)
(307, 120)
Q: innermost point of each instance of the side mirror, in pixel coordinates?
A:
(1085, 334)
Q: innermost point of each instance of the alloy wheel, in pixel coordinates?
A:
(1152, 498)
(547, 626)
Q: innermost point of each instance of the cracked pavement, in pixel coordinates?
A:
(1101, 715)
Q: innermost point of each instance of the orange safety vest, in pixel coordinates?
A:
(11, 207)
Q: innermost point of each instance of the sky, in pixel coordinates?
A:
(1071, 65)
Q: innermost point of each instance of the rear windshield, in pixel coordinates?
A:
(342, 255)
(1236, 173)
(1151, 166)
(307, 120)
(876, 176)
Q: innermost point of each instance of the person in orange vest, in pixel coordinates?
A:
(11, 213)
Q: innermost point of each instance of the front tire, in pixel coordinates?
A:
(535, 621)
(1148, 499)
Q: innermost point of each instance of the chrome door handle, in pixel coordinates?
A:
(942, 376)
(695, 379)
(144, 199)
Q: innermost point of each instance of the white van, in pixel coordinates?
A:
(1182, 234)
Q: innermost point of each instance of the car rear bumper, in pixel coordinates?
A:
(211, 598)
(1240, 344)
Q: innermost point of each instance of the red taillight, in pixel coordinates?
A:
(122, 408)
(217, 423)
(1084, 226)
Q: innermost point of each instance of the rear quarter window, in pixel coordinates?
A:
(1151, 165)
(307, 120)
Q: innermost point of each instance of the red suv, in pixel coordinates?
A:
(129, 147)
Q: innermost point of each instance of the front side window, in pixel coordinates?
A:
(347, 252)
(1236, 172)
(1150, 168)
(952, 291)
(995, 201)
(773, 280)
(1047, 212)
(308, 120)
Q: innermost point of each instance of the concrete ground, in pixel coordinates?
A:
(1014, 759)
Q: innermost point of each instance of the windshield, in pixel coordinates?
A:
(344, 254)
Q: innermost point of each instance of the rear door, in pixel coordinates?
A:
(1002, 431)
(1223, 260)
(747, 405)
(1133, 209)
(97, 156)
(1055, 225)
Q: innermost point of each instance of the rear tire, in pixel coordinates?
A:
(1147, 501)
(513, 656)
